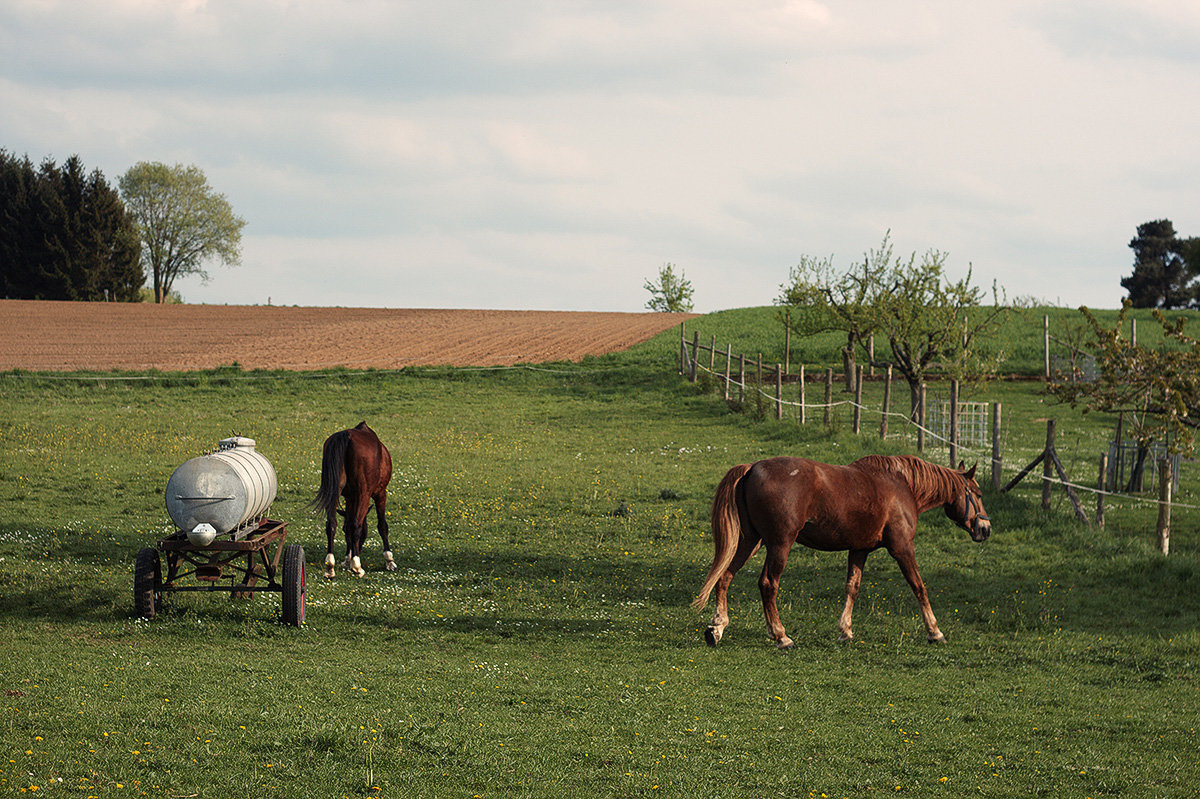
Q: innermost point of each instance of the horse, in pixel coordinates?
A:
(356, 465)
(871, 503)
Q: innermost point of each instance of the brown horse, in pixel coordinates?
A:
(356, 465)
(872, 503)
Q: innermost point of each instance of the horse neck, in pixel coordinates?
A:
(931, 485)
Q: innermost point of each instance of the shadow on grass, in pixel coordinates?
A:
(1067, 579)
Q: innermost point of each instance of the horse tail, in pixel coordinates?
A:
(333, 460)
(726, 528)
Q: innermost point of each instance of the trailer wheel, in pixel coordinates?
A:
(147, 584)
(294, 588)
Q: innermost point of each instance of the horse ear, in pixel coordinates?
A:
(962, 466)
(971, 474)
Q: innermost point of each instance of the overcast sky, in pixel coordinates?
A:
(554, 155)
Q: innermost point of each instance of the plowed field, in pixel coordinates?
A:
(63, 336)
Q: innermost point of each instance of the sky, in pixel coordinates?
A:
(510, 154)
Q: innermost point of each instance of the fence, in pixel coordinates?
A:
(951, 422)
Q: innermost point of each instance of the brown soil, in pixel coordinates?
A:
(64, 336)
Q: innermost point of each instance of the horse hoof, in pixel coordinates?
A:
(329, 574)
(785, 643)
(937, 639)
(711, 636)
(846, 638)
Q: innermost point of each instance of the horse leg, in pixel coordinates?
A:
(854, 568)
(720, 620)
(356, 536)
(330, 530)
(907, 558)
(389, 560)
(768, 587)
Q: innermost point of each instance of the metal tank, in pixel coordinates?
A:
(228, 489)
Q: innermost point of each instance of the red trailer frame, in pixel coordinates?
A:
(253, 557)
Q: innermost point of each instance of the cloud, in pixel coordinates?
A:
(554, 155)
(1153, 30)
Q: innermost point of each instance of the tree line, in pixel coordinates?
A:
(66, 234)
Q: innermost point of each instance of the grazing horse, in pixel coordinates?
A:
(872, 503)
(356, 465)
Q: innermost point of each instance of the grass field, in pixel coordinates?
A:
(551, 525)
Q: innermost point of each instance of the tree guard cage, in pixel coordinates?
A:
(1123, 465)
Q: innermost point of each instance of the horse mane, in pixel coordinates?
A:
(931, 485)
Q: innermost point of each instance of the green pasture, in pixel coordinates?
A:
(550, 524)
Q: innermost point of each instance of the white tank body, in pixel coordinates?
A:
(228, 489)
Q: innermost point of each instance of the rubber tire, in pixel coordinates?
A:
(147, 584)
(294, 585)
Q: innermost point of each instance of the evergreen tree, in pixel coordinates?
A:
(1164, 268)
(64, 234)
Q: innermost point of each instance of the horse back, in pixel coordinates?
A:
(367, 461)
(821, 505)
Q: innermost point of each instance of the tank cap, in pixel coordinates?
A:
(233, 442)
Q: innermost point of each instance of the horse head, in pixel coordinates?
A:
(966, 510)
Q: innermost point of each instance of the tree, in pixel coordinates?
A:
(182, 222)
(1162, 385)
(819, 300)
(929, 320)
(64, 234)
(1164, 269)
(672, 293)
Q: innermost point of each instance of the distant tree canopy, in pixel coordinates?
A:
(1165, 268)
(1160, 385)
(64, 234)
(183, 222)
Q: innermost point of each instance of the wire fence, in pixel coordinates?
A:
(936, 426)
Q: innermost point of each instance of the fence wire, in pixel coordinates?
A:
(981, 455)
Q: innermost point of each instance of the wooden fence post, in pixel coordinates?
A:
(953, 424)
(778, 393)
(728, 367)
(1101, 487)
(712, 354)
(858, 385)
(871, 355)
(1046, 346)
(682, 348)
(1164, 505)
(1047, 465)
(787, 343)
(887, 403)
(802, 394)
(828, 397)
(997, 463)
(695, 356)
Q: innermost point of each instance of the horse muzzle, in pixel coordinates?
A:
(980, 529)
